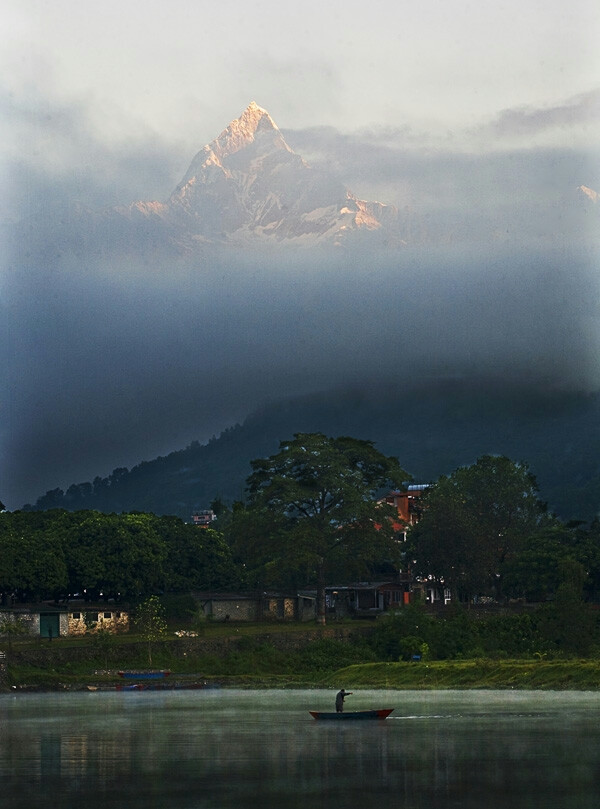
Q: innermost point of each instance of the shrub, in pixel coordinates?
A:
(410, 645)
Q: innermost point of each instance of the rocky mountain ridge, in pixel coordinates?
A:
(249, 185)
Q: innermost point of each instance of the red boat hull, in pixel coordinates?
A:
(380, 713)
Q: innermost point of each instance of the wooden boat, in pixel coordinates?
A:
(378, 713)
(144, 675)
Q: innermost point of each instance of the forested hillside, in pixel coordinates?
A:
(432, 429)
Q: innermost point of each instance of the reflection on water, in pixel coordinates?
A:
(221, 749)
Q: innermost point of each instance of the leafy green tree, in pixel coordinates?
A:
(112, 555)
(137, 562)
(534, 572)
(49, 554)
(32, 562)
(473, 522)
(84, 542)
(256, 536)
(321, 492)
(588, 553)
(196, 558)
(150, 622)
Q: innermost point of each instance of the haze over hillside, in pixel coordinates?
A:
(135, 329)
(433, 428)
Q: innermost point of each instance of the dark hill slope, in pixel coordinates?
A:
(432, 430)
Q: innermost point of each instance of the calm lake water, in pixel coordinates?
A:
(229, 748)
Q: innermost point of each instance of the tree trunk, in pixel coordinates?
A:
(321, 619)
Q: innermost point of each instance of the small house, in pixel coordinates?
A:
(92, 619)
(45, 621)
(253, 606)
(366, 599)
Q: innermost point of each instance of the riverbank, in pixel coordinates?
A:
(257, 657)
(445, 675)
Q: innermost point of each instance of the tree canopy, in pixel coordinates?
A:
(537, 572)
(55, 553)
(314, 506)
(473, 522)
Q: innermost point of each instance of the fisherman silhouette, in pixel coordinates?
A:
(339, 700)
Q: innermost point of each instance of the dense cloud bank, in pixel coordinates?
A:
(115, 350)
(112, 361)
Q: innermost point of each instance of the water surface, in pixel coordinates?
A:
(233, 748)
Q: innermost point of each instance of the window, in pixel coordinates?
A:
(77, 616)
(108, 615)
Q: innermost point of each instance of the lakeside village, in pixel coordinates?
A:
(329, 531)
(346, 600)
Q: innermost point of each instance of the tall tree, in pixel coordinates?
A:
(473, 522)
(321, 492)
(150, 622)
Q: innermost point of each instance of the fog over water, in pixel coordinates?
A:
(246, 749)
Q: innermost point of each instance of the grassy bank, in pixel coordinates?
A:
(286, 655)
(245, 654)
(483, 673)
(469, 674)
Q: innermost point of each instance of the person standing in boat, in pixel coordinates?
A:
(339, 700)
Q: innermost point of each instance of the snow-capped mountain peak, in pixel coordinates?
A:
(254, 125)
(253, 117)
(248, 184)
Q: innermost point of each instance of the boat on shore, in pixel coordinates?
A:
(378, 713)
(173, 686)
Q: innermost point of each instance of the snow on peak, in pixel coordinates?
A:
(254, 112)
(243, 130)
(589, 193)
(248, 183)
(254, 124)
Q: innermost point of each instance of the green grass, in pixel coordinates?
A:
(481, 673)
(244, 653)
(250, 659)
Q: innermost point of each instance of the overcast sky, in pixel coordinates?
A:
(180, 71)
(448, 104)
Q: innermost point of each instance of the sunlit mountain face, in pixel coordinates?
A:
(135, 330)
(249, 189)
(247, 185)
